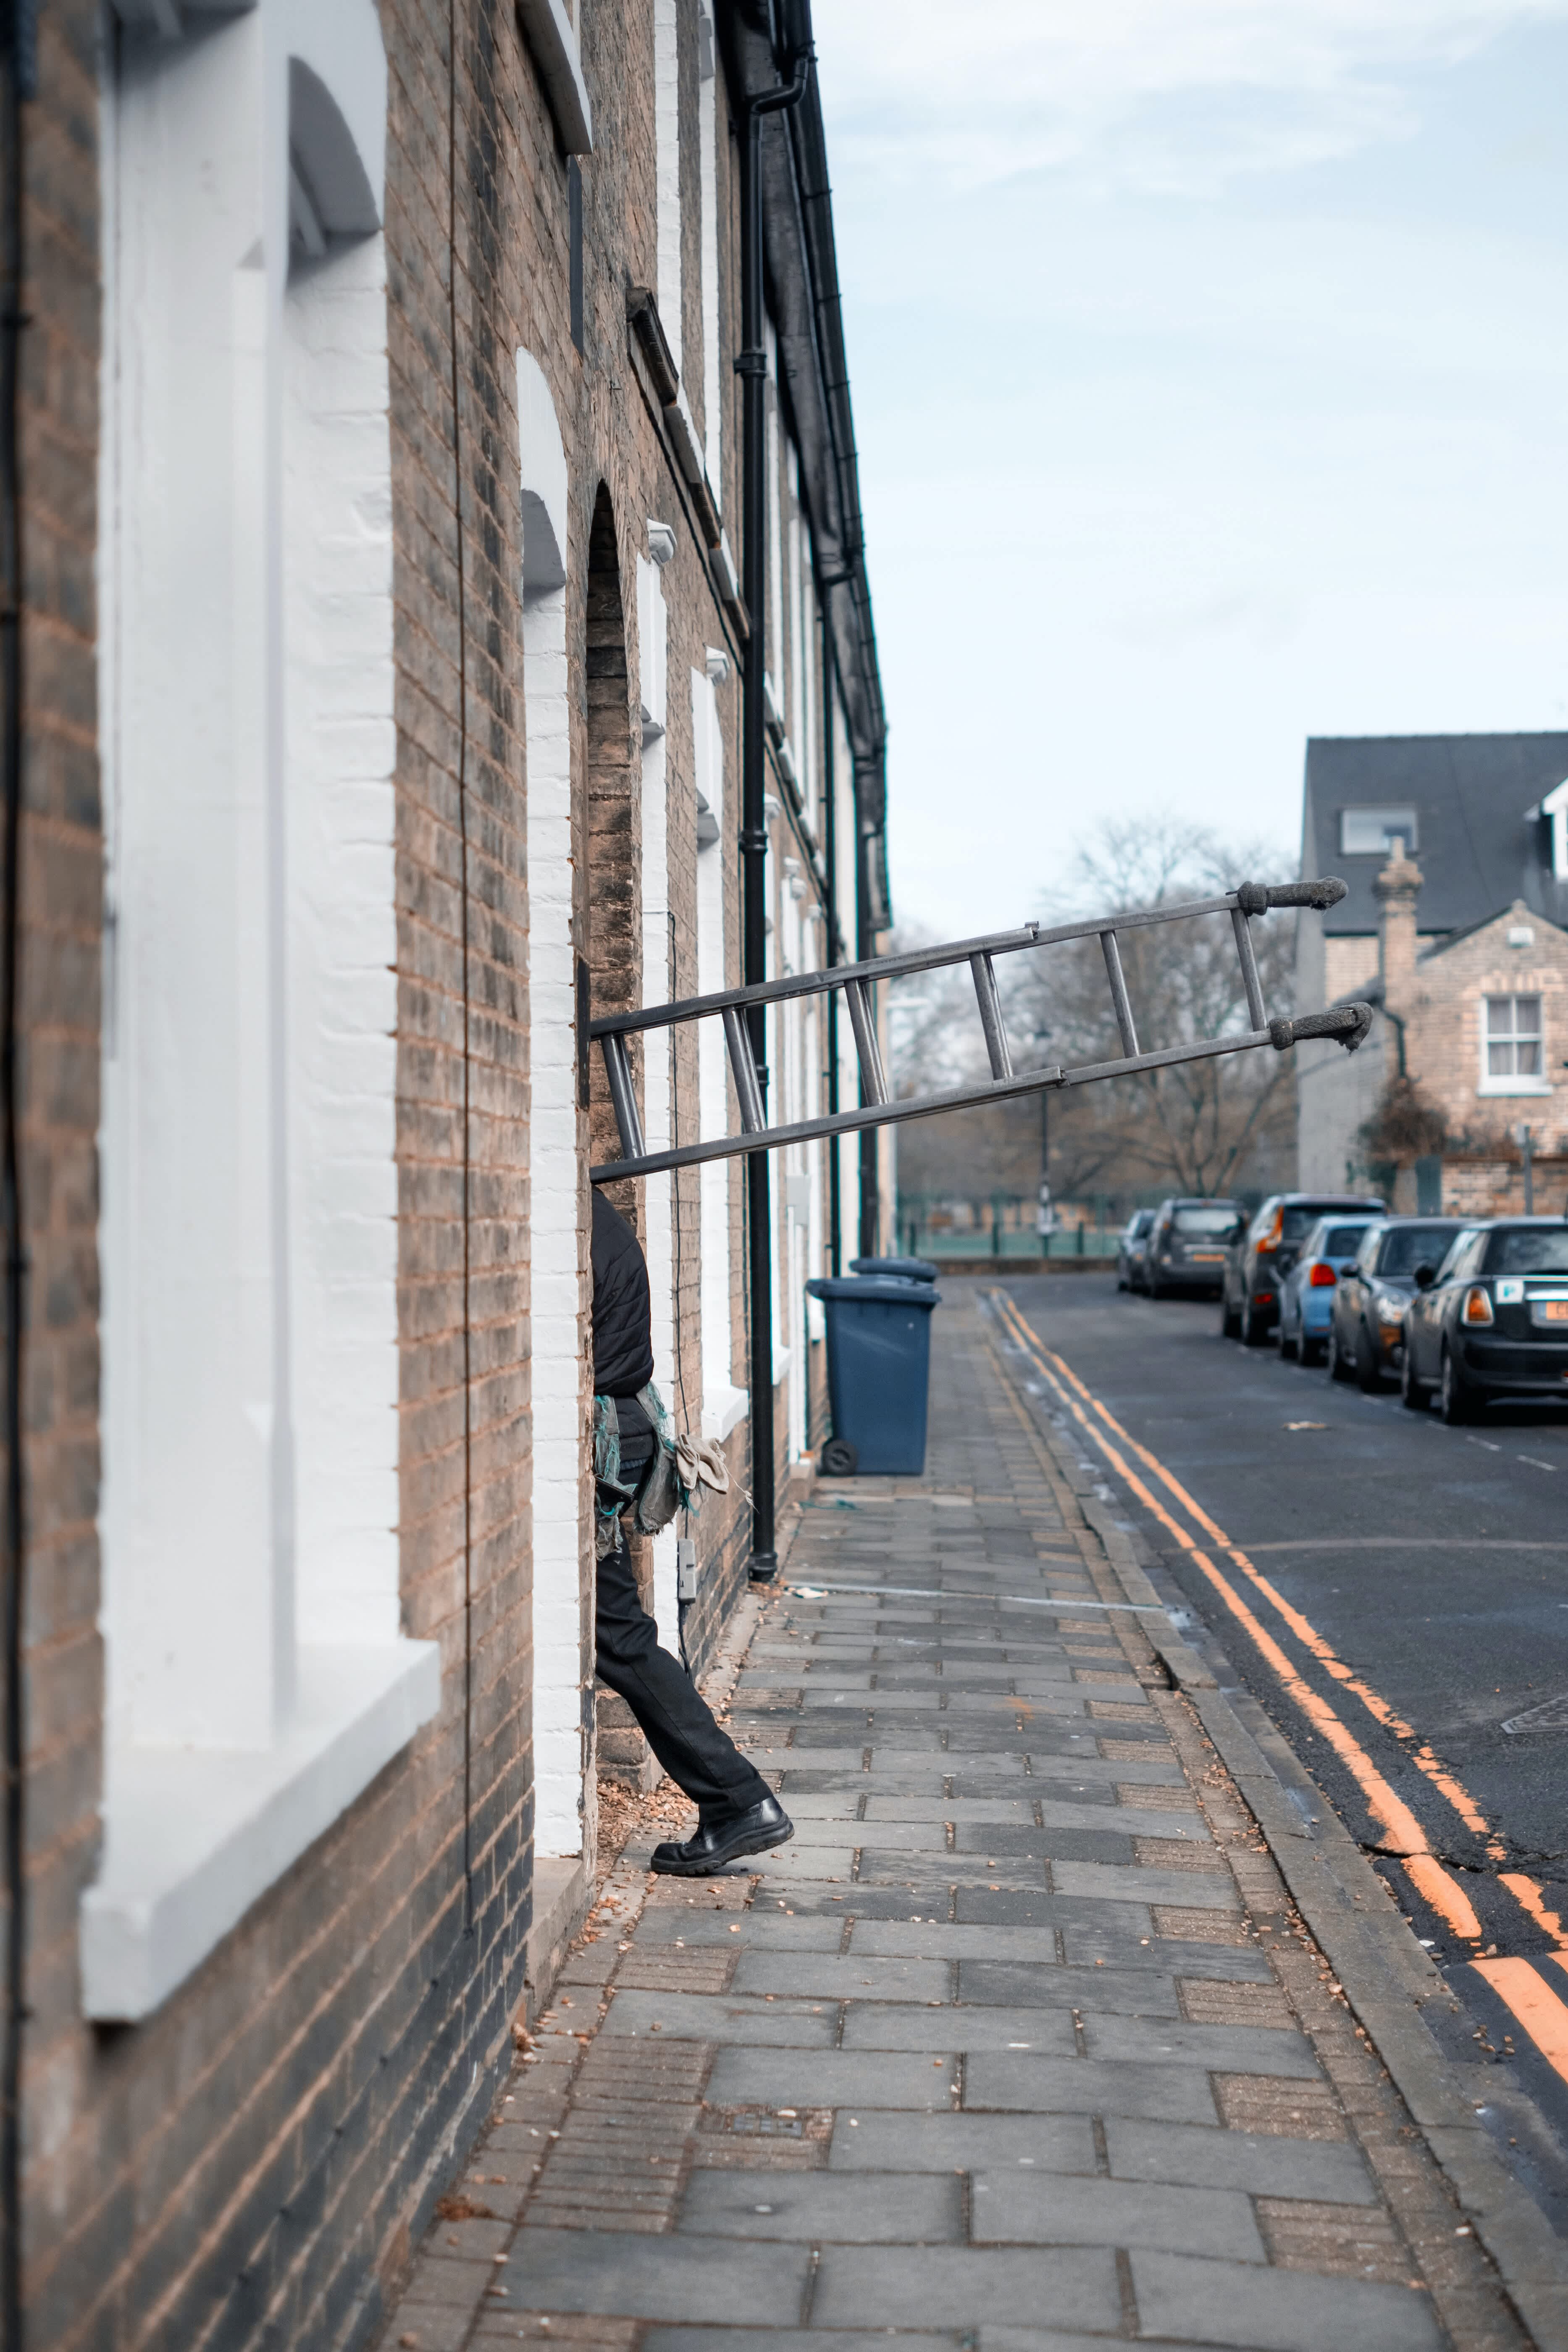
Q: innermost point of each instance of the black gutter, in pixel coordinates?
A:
(752, 367)
(18, 80)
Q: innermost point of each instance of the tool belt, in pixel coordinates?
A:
(672, 1480)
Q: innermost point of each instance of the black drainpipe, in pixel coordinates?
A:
(18, 80)
(865, 948)
(752, 367)
(830, 845)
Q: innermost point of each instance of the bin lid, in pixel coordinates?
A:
(905, 1269)
(873, 1290)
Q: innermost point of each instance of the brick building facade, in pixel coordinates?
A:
(1454, 930)
(381, 504)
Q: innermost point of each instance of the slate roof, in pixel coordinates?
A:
(1475, 847)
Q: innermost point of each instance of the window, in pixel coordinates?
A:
(257, 1676)
(1371, 832)
(1407, 1246)
(1511, 1058)
(1529, 1249)
(1216, 1223)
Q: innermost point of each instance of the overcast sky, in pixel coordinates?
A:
(1210, 367)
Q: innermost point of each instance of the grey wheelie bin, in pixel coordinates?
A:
(878, 1373)
(897, 1269)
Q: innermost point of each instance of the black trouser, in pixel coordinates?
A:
(675, 1718)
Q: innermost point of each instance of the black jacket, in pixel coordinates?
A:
(623, 1310)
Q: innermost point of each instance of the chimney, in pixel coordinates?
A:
(1397, 888)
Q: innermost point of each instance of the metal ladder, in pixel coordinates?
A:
(1348, 1024)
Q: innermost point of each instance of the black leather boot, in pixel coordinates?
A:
(724, 1838)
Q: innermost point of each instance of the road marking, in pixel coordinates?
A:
(1536, 1464)
(1532, 2002)
(1403, 1835)
(1426, 1761)
(1526, 1892)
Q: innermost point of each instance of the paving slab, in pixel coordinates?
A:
(902, 2026)
(1198, 2300)
(1017, 2082)
(833, 2078)
(879, 2141)
(924, 2286)
(1016, 2207)
(1328, 2172)
(634, 2274)
(860, 2210)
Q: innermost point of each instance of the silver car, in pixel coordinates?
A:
(1130, 1250)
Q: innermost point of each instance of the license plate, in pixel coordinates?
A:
(1207, 1257)
(1551, 1310)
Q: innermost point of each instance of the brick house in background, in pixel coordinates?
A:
(1455, 928)
(383, 523)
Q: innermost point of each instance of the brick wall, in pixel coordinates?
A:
(247, 2166)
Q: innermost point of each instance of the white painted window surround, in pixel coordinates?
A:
(550, 27)
(707, 187)
(666, 172)
(659, 1101)
(1511, 1045)
(257, 1676)
(724, 1405)
(556, 1335)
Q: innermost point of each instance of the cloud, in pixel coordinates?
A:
(1160, 95)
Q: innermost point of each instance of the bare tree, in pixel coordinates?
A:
(1201, 1127)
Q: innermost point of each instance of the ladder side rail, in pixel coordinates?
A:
(1348, 1024)
(873, 1078)
(991, 1021)
(1119, 995)
(742, 1062)
(898, 967)
(623, 1097)
(1257, 1011)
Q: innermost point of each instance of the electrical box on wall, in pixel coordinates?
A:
(685, 1569)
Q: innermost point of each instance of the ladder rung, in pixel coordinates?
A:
(748, 1094)
(1119, 995)
(618, 1069)
(1257, 1011)
(990, 1020)
(872, 1076)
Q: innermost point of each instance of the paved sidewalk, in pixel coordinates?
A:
(1019, 2046)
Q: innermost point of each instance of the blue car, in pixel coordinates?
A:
(1307, 1294)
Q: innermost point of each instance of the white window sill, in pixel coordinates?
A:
(192, 1836)
(723, 1408)
(1536, 1087)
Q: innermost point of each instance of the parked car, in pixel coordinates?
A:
(1264, 1252)
(1130, 1250)
(1308, 1292)
(1491, 1320)
(1187, 1244)
(1369, 1304)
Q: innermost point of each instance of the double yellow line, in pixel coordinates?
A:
(1522, 1989)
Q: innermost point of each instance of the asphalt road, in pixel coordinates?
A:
(1409, 1579)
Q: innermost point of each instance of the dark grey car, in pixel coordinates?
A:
(1263, 1254)
(1492, 1321)
(1366, 1328)
(1130, 1249)
(1187, 1246)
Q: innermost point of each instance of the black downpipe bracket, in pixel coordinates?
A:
(19, 74)
(752, 367)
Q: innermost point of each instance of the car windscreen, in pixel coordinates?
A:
(1526, 1250)
(1140, 1225)
(1409, 1246)
(1298, 1219)
(1341, 1240)
(1213, 1222)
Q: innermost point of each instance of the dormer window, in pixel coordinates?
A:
(1373, 832)
(1554, 808)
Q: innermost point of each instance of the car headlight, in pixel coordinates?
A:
(1391, 1311)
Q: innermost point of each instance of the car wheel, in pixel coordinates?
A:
(1290, 1346)
(1155, 1289)
(1311, 1352)
(1229, 1320)
(1455, 1399)
(1338, 1368)
(1411, 1395)
(1368, 1371)
(1254, 1329)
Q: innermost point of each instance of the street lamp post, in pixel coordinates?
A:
(1046, 1216)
